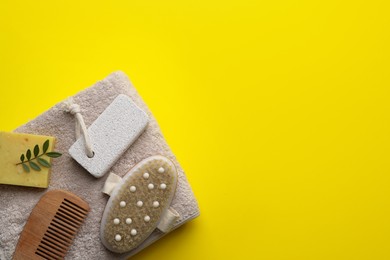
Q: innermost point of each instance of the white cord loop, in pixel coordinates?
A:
(75, 110)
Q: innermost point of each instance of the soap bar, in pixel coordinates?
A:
(12, 147)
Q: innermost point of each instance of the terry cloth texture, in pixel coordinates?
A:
(17, 202)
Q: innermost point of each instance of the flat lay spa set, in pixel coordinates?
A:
(91, 178)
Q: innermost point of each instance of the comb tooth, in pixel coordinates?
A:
(76, 208)
(54, 252)
(48, 254)
(56, 249)
(74, 211)
(64, 224)
(60, 231)
(72, 216)
(64, 227)
(59, 242)
(66, 219)
(61, 237)
(83, 210)
(53, 242)
(44, 255)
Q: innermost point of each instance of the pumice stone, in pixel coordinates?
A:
(112, 133)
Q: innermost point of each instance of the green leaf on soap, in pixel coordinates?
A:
(35, 166)
(44, 163)
(25, 168)
(36, 151)
(28, 154)
(53, 154)
(46, 146)
(33, 162)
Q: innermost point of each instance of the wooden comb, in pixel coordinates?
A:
(51, 227)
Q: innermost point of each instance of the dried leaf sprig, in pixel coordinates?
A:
(37, 158)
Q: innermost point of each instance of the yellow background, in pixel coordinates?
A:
(278, 111)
